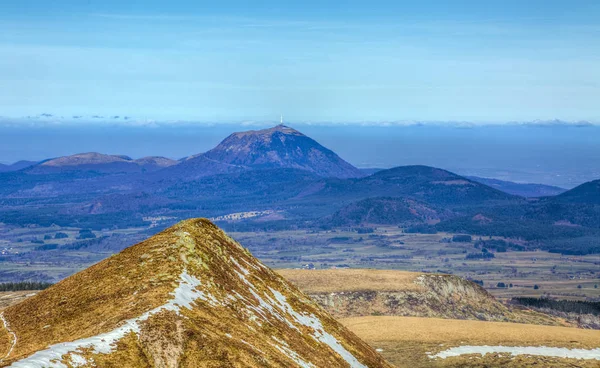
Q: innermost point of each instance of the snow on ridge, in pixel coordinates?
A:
(183, 296)
(521, 350)
(280, 304)
(310, 320)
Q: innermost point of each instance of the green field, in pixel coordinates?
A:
(566, 277)
(389, 248)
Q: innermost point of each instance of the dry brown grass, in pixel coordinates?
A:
(459, 332)
(407, 341)
(326, 281)
(8, 298)
(239, 325)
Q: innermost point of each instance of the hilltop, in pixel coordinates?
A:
(189, 296)
(284, 147)
(588, 193)
(16, 166)
(425, 184)
(93, 161)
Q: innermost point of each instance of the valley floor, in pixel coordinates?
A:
(387, 247)
(556, 275)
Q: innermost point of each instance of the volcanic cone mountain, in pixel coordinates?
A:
(189, 296)
(281, 147)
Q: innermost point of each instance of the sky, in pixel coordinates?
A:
(313, 61)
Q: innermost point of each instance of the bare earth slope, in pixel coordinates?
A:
(364, 292)
(189, 296)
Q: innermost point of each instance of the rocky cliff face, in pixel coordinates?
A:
(189, 296)
(398, 293)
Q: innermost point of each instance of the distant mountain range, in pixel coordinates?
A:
(277, 147)
(280, 170)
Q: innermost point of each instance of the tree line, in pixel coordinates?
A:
(566, 306)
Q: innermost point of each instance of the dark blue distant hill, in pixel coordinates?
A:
(427, 184)
(521, 189)
(19, 165)
(587, 193)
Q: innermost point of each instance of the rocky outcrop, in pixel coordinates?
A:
(425, 295)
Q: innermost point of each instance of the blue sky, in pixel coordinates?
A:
(351, 61)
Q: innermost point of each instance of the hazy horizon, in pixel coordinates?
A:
(524, 153)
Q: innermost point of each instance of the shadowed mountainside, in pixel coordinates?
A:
(388, 211)
(588, 193)
(427, 184)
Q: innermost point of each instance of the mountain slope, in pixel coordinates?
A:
(193, 168)
(155, 162)
(387, 211)
(189, 296)
(423, 183)
(588, 193)
(577, 208)
(520, 189)
(281, 146)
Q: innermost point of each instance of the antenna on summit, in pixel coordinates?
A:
(281, 119)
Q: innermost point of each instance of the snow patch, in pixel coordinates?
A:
(244, 270)
(319, 333)
(183, 296)
(14, 336)
(279, 306)
(294, 356)
(78, 361)
(521, 350)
